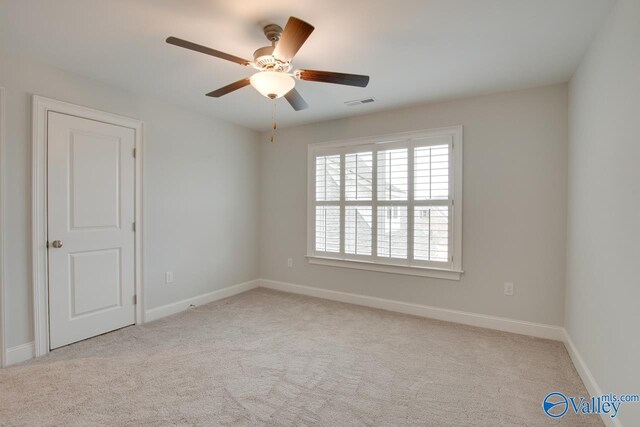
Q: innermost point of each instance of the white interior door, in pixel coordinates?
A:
(91, 184)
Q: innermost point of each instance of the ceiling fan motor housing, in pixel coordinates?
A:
(263, 59)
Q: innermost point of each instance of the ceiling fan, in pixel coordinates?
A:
(274, 78)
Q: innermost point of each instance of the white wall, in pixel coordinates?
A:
(514, 205)
(201, 191)
(603, 245)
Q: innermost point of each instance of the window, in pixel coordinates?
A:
(389, 203)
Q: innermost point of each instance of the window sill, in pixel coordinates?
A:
(436, 273)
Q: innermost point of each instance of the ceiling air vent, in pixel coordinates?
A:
(359, 102)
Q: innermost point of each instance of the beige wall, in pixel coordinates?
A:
(514, 205)
(603, 290)
(201, 191)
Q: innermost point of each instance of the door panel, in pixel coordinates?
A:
(91, 170)
(94, 281)
(94, 163)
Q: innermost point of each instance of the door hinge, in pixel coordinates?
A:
(135, 299)
(133, 227)
(47, 244)
(134, 153)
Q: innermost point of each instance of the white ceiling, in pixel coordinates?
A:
(415, 51)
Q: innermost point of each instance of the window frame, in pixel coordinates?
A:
(445, 270)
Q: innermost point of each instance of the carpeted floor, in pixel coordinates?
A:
(270, 358)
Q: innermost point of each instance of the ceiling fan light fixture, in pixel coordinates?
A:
(272, 84)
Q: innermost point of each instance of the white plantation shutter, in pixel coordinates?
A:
(431, 236)
(393, 184)
(358, 192)
(388, 202)
(357, 230)
(392, 232)
(328, 228)
(431, 187)
(431, 172)
(358, 176)
(393, 179)
(328, 182)
(328, 178)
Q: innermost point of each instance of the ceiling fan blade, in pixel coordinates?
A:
(293, 36)
(229, 88)
(331, 77)
(206, 50)
(296, 100)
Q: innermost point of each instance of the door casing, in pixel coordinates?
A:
(41, 108)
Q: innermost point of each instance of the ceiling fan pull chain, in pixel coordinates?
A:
(274, 125)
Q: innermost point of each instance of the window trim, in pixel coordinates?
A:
(451, 270)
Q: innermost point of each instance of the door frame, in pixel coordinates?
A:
(41, 107)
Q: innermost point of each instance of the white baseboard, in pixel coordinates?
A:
(20, 353)
(587, 377)
(473, 319)
(176, 307)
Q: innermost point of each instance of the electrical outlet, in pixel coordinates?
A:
(290, 262)
(168, 277)
(508, 289)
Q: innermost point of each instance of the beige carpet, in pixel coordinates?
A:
(270, 358)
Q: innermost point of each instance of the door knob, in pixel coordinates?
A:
(57, 244)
